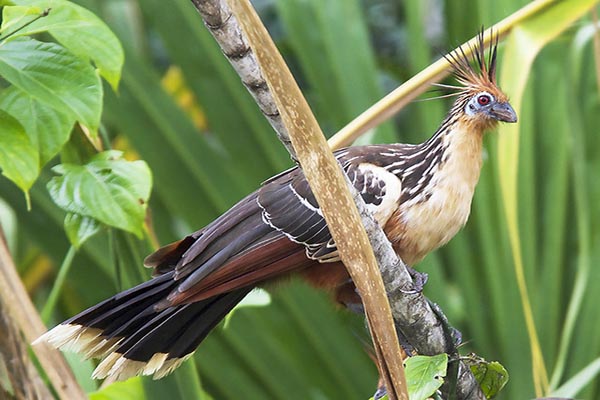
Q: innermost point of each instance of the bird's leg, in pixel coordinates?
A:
(419, 280)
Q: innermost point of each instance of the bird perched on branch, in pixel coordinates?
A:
(419, 194)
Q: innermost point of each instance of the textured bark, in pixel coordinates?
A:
(17, 305)
(23, 377)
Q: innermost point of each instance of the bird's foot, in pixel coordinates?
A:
(380, 392)
(419, 280)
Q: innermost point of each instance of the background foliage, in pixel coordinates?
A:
(181, 108)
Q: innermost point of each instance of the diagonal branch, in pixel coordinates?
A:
(412, 313)
(18, 306)
(22, 375)
(330, 188)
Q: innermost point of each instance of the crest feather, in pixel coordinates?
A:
(475, 72)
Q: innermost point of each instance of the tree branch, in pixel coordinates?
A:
(412, 313)
(16, 302)
(329, 186)
(23, 377)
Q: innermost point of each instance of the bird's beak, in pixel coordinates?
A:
(503, 112)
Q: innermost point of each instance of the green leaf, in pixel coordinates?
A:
(54, 76)
(256, 298)
(15, 17)
(523, 45)
(18, 156)
(47, 129)
(132, 389)
(425, 374)
(80, 228)
(77, 29)
(573, 386)
(491, 375)
(109, 189)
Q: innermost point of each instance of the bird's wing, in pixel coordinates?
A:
(237, 250)
(289, 206)
(269, 233)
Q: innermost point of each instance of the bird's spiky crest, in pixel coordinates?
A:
(474, 72)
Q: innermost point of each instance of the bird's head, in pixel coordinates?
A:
(480, 101)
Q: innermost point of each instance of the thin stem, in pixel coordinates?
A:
(112, 249)
(58, 284)
(41, 15)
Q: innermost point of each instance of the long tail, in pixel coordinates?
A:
(136, 339)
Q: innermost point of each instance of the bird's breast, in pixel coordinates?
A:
(429, 220)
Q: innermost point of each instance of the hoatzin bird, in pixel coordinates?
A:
(420, 194)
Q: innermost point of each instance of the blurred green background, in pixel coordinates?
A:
(182, 108)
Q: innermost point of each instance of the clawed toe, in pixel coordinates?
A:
(419, 281)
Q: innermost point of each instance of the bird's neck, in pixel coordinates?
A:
(451, 157)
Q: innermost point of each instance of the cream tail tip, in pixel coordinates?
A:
(117, 367)
(79, 339)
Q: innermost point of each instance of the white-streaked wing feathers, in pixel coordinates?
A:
(290, 207)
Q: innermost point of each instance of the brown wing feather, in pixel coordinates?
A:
(267, 234)
(277, 259)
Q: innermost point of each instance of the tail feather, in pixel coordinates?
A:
(136, 338)
(124, 306)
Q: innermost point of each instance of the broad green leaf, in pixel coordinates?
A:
(425, 374)
(80, 228)
(256, 298)
(47, 128)
(54, 76)
(109, 189)
(18, 156)
(492, 376)
(132, 389)
(15, 17)
(523, 45)
(581, 317)
(573, 386)
(77, 29)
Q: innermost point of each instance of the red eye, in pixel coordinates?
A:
(484, 100)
